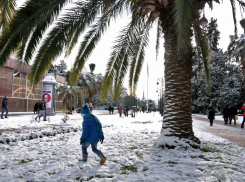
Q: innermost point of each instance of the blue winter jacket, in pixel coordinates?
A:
(92, 130)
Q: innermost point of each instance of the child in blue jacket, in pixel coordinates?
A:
(92, 134)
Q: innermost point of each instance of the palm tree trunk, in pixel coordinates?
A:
(177, 121)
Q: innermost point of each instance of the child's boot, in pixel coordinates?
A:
(85, 158)
(102, 158)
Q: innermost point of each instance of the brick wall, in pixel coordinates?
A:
(20, 105)
(6, 81)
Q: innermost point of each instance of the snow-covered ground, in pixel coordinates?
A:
(129, 147)
(28, 121)
(220, 117)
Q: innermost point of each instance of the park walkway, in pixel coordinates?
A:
(233, 133)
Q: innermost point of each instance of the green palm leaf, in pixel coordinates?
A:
(7, 11)
(202, 51)
(56, 40)
(138, 55)
(139, 64)
(159, 33)
(184, 13)
(116, 58)
(234, 14)
(120, 71)
(93, 36)
(34, 13)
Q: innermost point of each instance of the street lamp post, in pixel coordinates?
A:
(161, 95)
(162, 82)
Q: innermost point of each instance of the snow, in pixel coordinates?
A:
(128, 146)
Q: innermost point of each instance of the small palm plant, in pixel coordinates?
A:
(69, 95)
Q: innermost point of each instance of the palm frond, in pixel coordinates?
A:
(120, 75)
(233, 3)
(184, 12)
(35, 13)
(141, 56)
(7, 11)
(202, 51)
(159, 32)
(242, 4)
(210, 4)
(93, 36)
(139, 44)
(128, 48)
(77, 28)
(55, 41)
(117, 56)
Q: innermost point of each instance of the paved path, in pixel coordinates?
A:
(233, 133)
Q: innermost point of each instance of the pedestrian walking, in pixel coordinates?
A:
(45, 112)
(211, 114)
(112, 109)
(92, 134)
(233, 113)
(143, 109)
(5, 107)
(35, 108)
(90, 107)
(126, 109)
(120, 112)
(243, 110)
(226, 114)
(42, 108)
(109, 109)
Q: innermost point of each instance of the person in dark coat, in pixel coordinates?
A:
(42, 110)
(112, 109)
(226, 114)
(126, 109)
(92, 134)
(45, 112)
(109, 109)
(233, 113)
(35, 108)
(211, 114)
(5, 107)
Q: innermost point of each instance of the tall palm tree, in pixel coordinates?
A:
(178, 21)
(91, 84)
(69, 95)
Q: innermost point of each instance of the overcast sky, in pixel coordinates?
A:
(100, 55)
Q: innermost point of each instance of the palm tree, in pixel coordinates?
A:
(236, 48)
(92, 67)
(91, 84)
(177, 20)
(69, 95)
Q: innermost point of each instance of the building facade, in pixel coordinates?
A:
(14, 84)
